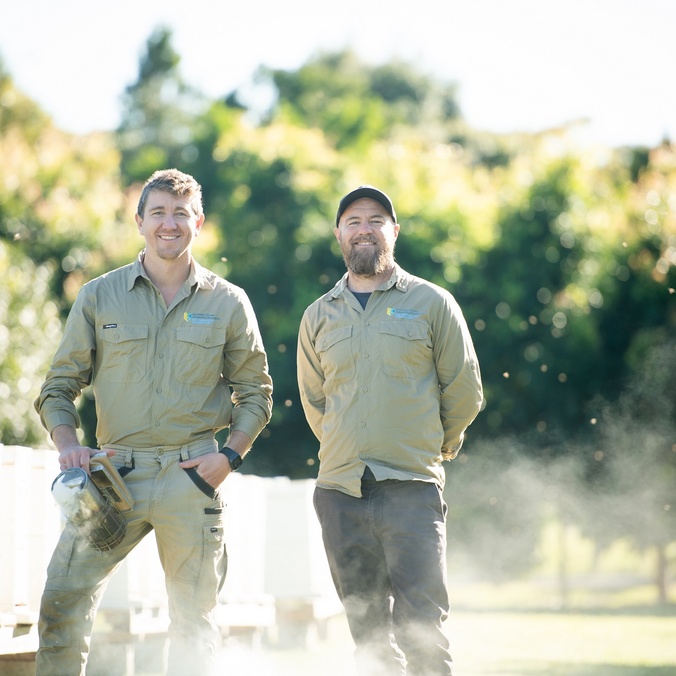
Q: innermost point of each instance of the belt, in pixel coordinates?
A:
(193, 445)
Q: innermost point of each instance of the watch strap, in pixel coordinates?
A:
(233, 457)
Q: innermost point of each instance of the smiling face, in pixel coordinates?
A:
(169, 225)
(366, 234)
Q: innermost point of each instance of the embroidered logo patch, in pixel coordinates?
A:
(199, 318)
(400, 313)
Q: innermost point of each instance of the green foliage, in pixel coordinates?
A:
(355, 104)
(59, 195)
(29, 329)
(562, 258)
(159, 110)
(517, 294)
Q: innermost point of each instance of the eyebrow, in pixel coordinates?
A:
(370, 218)
(161, 207)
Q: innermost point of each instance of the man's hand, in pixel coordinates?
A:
(71, 452)
(212, 467)
(215, 467)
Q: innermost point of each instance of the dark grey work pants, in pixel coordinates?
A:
(387, 554)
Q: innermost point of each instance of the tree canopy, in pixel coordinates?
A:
(562, 256)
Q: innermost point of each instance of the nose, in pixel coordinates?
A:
(169, 222)
(364, 226)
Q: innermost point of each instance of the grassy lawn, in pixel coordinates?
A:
(554, 644)
(609, 626)
(503, 643)
(491, 643)
(516, 629)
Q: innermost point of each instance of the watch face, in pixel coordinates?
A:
(236, 462)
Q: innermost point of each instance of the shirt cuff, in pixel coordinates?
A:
(55, 418)
(247, 422)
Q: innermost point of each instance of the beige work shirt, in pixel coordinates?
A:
(161, 375)
(393, 386)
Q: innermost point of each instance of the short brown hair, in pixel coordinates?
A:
(175, 182)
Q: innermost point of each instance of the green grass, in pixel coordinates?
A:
(605, 624)
(610, 627)
(633, 642)
(553, 644)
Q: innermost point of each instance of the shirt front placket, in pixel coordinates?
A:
(166, 393)
(368, 354)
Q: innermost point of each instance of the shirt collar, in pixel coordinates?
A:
(399, 279)
(199, 275)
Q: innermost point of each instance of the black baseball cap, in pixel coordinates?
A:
(365, 191)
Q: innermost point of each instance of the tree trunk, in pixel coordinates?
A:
(661, 574)
(563, 565)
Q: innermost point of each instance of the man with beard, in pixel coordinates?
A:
(389, 382)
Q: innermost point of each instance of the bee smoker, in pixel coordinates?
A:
(83, 504)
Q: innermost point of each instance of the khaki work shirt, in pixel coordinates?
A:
(393, 386)
(161, 375)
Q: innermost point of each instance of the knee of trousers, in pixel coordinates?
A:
(66, 619)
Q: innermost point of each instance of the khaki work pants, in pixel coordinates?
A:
(188, 525)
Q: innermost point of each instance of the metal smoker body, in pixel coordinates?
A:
(94, 504)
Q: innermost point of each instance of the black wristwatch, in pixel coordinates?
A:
(233, 456)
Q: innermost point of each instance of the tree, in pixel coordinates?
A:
(537, 348)
(355, 104)
(636, 445)
(59, 194)
(159, 112)
(29, 328)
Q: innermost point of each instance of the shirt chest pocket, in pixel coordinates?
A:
(406, 349)
(334, 349)
(199, 355)
(122, 353)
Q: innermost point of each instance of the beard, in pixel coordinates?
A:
(368, 263)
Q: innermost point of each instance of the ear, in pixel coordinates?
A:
(139, 222)
(199, 223)
(336, 232)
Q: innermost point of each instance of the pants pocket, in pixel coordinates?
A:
(201, 483)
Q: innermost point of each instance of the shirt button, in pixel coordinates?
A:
(158, 390)
(364, 389)
(410, 333)
(363, 423)
(161, 356)
(366, 355)
(117, 335)
(157, 424)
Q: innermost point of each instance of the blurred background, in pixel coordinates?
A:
(528, 148)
